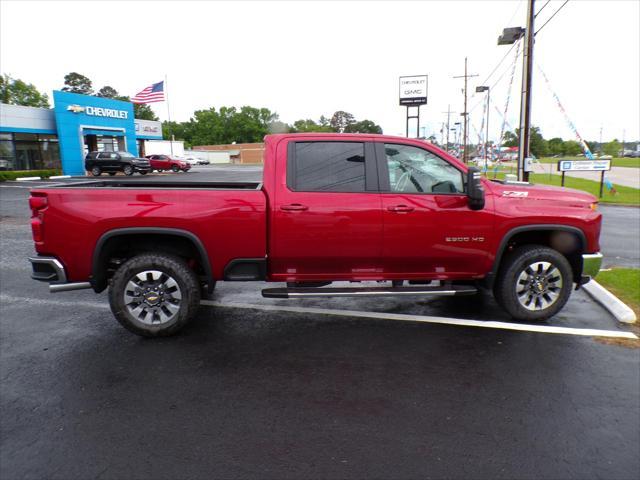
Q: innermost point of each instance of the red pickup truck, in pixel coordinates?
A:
(331, 207)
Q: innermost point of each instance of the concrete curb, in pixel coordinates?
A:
(26, 179)
(610, 302)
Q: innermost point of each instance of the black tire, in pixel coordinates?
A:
(533, 294)
(96, 172)
(160, 171)
(128, 170)
(175, 168)
(140, 323)
(111, 174)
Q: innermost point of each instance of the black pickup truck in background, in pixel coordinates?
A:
(114, 162)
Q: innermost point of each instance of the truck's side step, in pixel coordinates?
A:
(448, 290)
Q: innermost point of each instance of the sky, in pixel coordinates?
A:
(305, 59)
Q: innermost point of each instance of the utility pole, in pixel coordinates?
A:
(448, 112)
(525, 108)
(465, 114)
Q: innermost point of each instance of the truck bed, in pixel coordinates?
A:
(228, 218)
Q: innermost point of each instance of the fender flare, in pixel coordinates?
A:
(99, 283)
(491, 276)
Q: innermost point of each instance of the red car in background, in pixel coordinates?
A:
(166, 162)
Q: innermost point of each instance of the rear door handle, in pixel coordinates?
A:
(294, 207)
(401, 209)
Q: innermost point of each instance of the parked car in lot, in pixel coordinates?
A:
(164, 163)
(114, 162)
(331, 207)
(192, 161)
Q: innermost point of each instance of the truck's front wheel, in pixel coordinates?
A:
(154, 295)
(534, 283)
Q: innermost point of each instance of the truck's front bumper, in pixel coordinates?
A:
(591, 263)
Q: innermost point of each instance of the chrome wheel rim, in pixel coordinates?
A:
(538, 286)
(152, 297)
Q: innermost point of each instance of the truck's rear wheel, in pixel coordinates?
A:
(154, 295)
(534, 283)
(96, 172)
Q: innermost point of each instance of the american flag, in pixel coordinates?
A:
(153, 93)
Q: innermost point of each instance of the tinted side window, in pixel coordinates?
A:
(329, 167)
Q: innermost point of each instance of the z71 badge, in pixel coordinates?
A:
(514, 193)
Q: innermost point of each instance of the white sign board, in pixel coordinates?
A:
(584, 165)
(413, 90)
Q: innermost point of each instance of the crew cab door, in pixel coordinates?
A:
(326, 220)
(429, 230)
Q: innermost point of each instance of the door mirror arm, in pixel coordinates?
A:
(475, 189)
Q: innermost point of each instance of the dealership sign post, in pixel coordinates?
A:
(413, 93)
(585, 166)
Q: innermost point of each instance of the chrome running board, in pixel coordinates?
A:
(445, 291)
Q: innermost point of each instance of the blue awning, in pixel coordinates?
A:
(107, 133)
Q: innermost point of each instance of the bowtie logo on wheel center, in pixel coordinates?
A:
(152, 298)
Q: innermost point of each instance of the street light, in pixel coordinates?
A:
(486, 138)
(511, 35)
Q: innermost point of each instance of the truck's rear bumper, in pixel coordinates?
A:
(51, 270)
(47, 269)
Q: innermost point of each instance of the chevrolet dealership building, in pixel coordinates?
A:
(41, 138)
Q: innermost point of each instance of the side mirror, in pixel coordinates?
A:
(475, 190)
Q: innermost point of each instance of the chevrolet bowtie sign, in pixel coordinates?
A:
(99, 111)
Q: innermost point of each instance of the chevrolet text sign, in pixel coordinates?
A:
(413, 90)
(99, 111)
(105, 112)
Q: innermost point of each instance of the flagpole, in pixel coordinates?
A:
(166, 95)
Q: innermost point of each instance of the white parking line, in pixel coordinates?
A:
(588, 332)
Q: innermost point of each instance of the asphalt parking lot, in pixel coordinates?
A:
(250, 390)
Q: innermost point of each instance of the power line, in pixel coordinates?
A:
(554, 14)
(542, 8)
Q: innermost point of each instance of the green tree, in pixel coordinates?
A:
(308, 125)
(510, 139)
(142, 111)
(341, 120)
(228, 125)
(17, 92)
(363, 126)
(77, 83)
(612, 148)
(108, 92)
(556, 146)
(537, 144)
(572, 148)
(278, 127)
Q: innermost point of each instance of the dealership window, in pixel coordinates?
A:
(29, 151)
(329, 167)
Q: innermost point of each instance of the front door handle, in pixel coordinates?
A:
(294, 207)
(401, 209)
